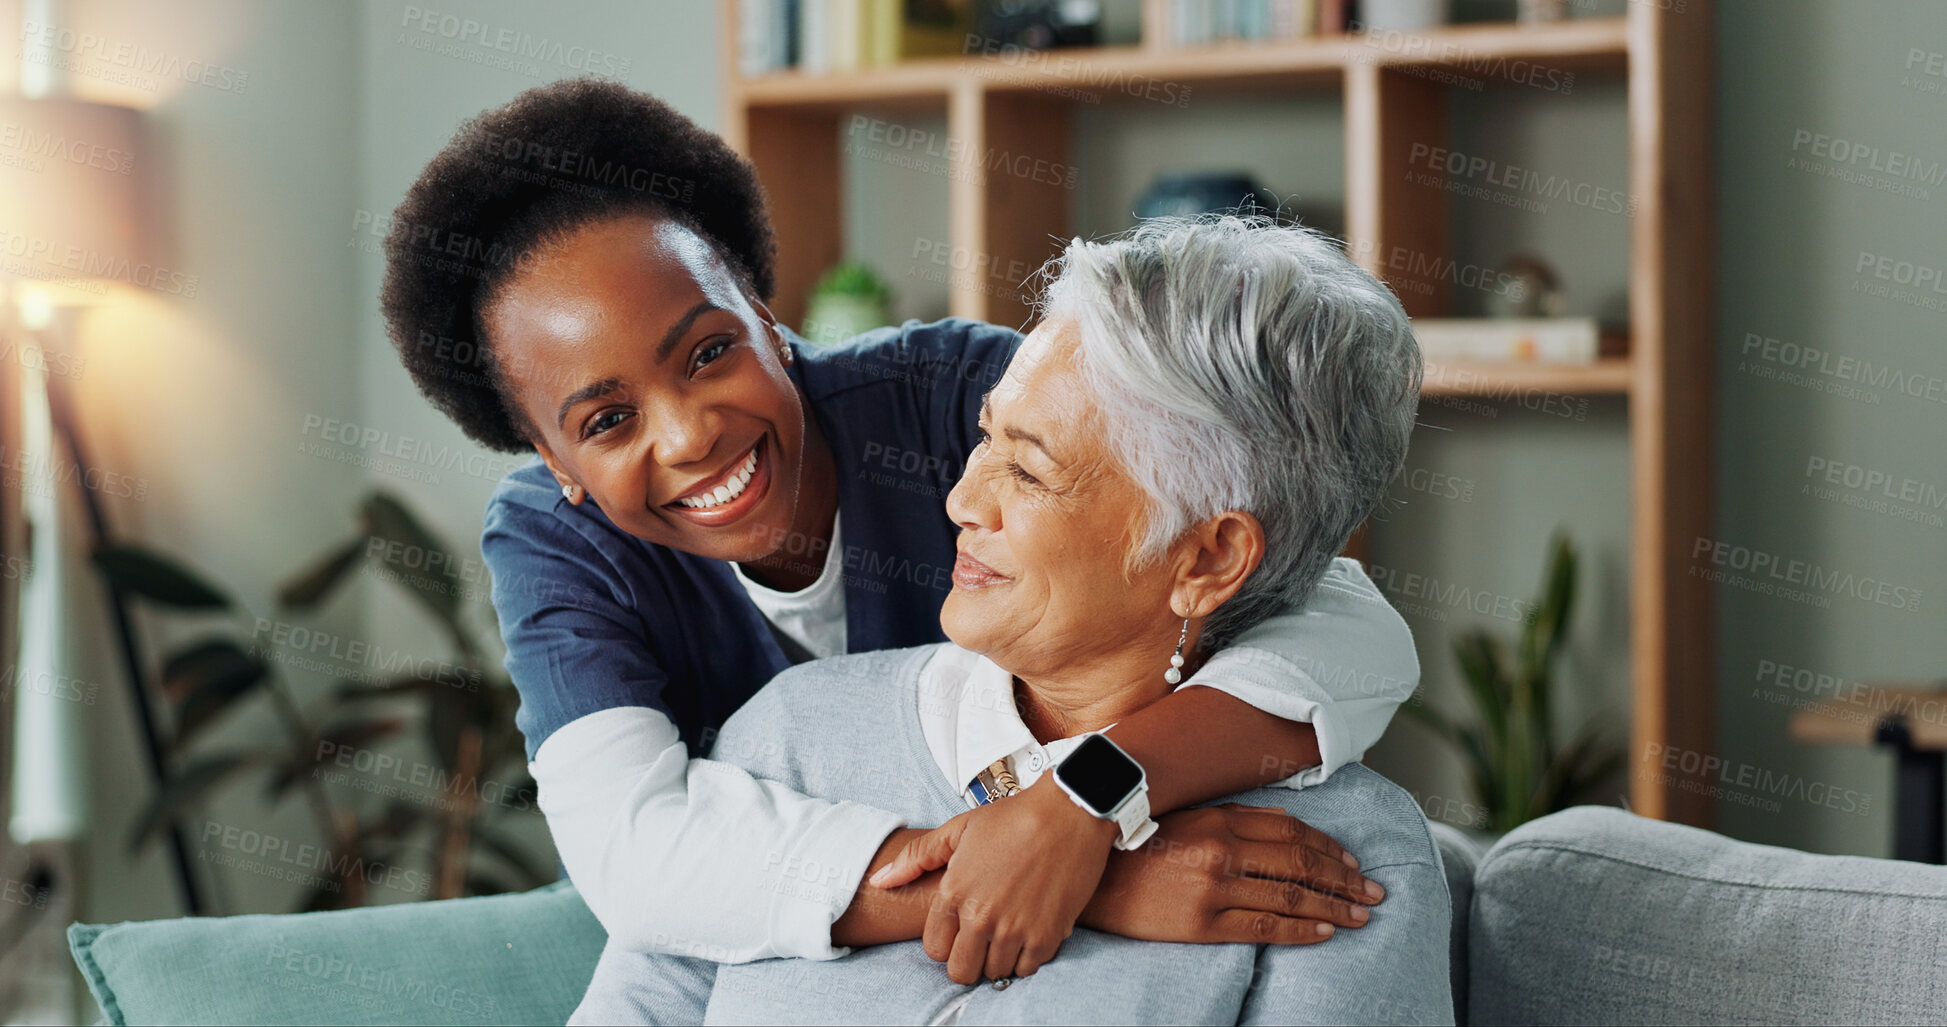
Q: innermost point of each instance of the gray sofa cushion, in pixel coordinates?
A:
(1597, 916)
(1460, 855)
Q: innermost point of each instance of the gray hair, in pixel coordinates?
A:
(1241, 364)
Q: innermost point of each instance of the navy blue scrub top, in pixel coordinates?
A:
(595, 618)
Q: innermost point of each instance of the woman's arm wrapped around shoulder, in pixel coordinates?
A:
(672, 854)
(1395, 968)
(1392, 971)
(1343, 663)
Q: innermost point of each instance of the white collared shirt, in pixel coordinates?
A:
(968, 717)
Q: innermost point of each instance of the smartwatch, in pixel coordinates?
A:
(1110, 785)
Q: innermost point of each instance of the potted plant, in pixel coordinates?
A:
(450, 824)
(1516, 766)
(850, 299)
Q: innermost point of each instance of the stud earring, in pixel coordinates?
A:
(571, 493)
(1175, 673)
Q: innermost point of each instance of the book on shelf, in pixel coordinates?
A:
(820, 36)
(1204, 22)
(1332, 17)
(1538, 340)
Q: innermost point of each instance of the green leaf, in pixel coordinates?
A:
(1480, 668)
(446, 722)
(282, 777)
(421, 562)
(353, 733)
(1481, 771)
(1559, 601)
(1433, 719)
(1541, 641)
(396, 688)
(523, 787)
(400, 819)
(1541, 636)
(309, 587)
(453, 710)
(206, 679)
(158, 578)
(183, 789)
(1583, 763)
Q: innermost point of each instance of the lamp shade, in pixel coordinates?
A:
(70, 196)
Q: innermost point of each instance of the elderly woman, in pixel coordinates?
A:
(1180, 448)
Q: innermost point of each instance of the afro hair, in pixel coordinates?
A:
(555, 158)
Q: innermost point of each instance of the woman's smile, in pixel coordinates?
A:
(729, 495)
(969, 573)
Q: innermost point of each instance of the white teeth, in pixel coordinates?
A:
(725, 493)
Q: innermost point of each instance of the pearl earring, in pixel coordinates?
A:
(1175, 673)
(570, 493)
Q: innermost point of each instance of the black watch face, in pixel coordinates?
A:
(1099, 773)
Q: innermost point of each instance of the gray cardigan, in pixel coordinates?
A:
(848, 728)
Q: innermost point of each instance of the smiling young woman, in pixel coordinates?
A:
(698, 442)
(713, 500)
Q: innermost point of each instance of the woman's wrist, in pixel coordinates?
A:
(878, 916)
(1061, 812)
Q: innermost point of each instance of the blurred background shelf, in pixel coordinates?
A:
(1499, 379)
(1370, 111)
(1586, 46)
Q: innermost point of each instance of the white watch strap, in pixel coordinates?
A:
(1133, 818)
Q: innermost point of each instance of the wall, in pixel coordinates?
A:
(1799, 259)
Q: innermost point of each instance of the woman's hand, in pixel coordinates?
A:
(1022, 872)
(1233, 873)
(1018, 874)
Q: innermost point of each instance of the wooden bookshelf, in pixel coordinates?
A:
(1588, 46)
(1611, 375)
(1394, 91)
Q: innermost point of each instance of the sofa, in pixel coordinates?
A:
(1591, 915)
